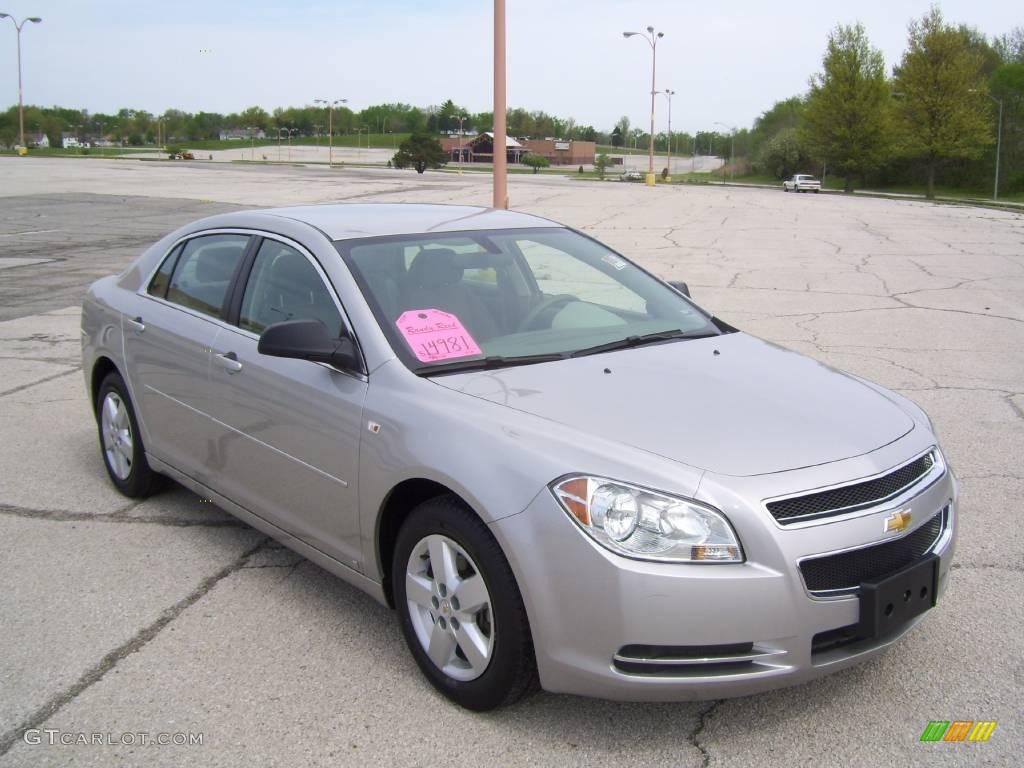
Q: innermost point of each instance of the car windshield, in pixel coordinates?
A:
(452, 301)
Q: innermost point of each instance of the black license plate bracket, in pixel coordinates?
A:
(898, 597)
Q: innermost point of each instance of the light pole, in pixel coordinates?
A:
(652, 39)
(668, 94)
(330, 126)
(252, 140)
(359, 143)
(291, 132)
(500, 158)
(461, 118)
(280, 130)
(999, 143)
(21, 101)
(732, 145)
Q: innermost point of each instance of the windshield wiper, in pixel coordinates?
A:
(639, 341)
(486, 363)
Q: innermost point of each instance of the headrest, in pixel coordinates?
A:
(434, 267)
(215, 264)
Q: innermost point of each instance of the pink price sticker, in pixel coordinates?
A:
(434, 335)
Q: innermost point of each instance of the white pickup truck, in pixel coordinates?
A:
(801, 182)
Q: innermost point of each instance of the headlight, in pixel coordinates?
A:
(646, 524)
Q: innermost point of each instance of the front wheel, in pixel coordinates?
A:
(120, 442)
(460, 609)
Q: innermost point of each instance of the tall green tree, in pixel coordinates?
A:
(847, 117)
(943, 110)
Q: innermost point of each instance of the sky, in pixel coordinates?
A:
(728, 62)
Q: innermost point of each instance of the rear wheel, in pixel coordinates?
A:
(460, 609)
(120, 442)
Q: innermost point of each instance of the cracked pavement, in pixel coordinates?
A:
(168, 615)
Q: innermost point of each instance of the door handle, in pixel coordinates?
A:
(136, 324)
(229, 361)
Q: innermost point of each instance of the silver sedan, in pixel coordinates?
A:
(558, 469)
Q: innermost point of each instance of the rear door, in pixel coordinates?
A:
(167, 347)
(289, 445)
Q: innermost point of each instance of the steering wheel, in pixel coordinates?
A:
(546, 305)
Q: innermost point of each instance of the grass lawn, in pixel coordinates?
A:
(376, 140)
(93, 151)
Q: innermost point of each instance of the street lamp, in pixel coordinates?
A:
(291, 132)
(652, 39)
(732, 145)
(461, 118)
(999, 143)
(668, 94)
(359, 143)
(280, 130)
(21, 101)
(330, 125)
(252, 140)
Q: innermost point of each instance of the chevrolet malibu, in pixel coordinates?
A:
(556, 468)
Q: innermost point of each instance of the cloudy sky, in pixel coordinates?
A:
(727, 61)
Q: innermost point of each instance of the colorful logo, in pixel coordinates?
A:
(958, 730)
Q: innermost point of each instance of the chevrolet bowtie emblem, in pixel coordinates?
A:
(897, 521)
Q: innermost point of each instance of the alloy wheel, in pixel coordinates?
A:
(450, 607)
(116, 428)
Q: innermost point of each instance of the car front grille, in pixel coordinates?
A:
(839, 501)
(845, 571)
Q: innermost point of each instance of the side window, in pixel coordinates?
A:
(162, 278)
(557, 272)
(284, 285)
(203, 273)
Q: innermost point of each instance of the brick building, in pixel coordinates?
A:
(481, 149)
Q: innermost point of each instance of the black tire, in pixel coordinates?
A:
(511, 672)
(141, 480)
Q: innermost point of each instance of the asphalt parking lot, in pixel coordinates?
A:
(167, 616)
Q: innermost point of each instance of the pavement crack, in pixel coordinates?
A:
(135, 643)
(989, 567)
(76, 369)
(694, 736)
(65, 516)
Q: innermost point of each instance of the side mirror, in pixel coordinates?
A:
(308, 340)
(682, 287)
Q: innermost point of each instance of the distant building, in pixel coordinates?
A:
(563, 151)
(69, 141)
(557, 151)
(238, 134)
(37, 140)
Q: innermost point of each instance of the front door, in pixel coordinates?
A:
(289, 448)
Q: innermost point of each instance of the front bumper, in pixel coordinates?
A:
(744, 628)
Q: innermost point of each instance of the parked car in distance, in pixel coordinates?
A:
(556, 468)
(801, 182)
(632, 174)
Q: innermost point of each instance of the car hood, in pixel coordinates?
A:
(731, 404)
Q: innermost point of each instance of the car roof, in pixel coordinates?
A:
(345, 221)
